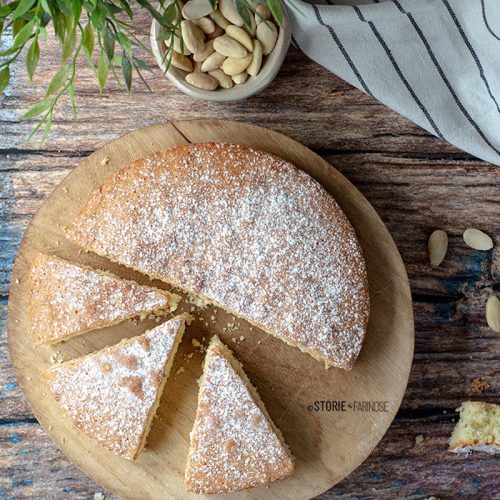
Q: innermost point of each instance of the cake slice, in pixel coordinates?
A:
(112, 395)
(234, 443)
(478, 428)
(66, 299)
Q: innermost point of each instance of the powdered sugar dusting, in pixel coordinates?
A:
(233, 445)
(66, 299)
(245, 229)
(109, 394)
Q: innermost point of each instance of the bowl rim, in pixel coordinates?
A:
(252, 86)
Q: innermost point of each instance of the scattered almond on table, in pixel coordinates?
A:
(493, 313)
(477, 240)
(219, 50)
(437, 245)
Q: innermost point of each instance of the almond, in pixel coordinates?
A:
(181, 62)
(229, 47)
(219, 19)
(240, 35)
(193, 37)
(202, 81)
(240, 78)
(213, 61)
(493, 313)
(224, 80)
(194, 9)
(229, 11)
(205, 24)
(254, 67)
(232, 66)
(267, 34)
(477, 239)
(437, 246)
(208, 50)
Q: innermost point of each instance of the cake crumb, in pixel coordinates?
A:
(65, 189)
(212, 317)
(17, 282)
(104, 161)
(180, 370)
(419, 439)
(50, 427)
(195, 342)
(479, 385)
(242, 338)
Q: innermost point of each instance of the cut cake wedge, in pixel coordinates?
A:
(234, 443)
(67, 299)
(112, 395)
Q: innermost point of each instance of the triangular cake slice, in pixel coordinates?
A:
(234, 443)
(112, 395)
(68, 299)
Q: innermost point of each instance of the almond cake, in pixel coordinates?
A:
(244, 230)
(112, 395)
(67, 299)
(234, 444)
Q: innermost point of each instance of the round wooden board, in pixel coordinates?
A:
(328, 445)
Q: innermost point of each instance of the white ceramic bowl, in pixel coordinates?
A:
(252, 86)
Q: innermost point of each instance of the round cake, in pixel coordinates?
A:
(242, 229)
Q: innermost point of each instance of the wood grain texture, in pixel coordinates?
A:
(416, 183)
(327, 446)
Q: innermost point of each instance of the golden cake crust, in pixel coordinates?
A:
(245, 229)
(112, 395)
(234, 444)
(67, 299)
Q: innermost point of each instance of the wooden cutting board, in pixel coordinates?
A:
(331, 419)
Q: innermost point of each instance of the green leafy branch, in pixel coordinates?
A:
(103, 29)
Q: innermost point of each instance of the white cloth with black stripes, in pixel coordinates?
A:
(436, 62)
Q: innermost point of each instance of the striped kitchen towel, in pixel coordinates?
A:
(437, 62)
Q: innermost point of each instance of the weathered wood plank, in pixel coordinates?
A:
(400, 467)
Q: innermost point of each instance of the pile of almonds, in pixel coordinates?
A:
(218, 49)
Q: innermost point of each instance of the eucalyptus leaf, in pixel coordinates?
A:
(22, 7)
(127, 72)
(276, 8)
(109, 43)
(24, 35)
(68, 45)
(125, 44)
(102, 71)
(17, 26)
(88, 39)
(58, 80)
(4, 78)
(32, 58)
(37, 109)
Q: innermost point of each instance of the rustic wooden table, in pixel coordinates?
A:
(415, 181)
